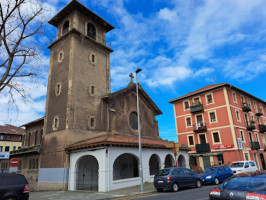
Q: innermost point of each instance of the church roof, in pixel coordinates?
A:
(74, 4)
(132, 87)
(119, 140)
(34, 121)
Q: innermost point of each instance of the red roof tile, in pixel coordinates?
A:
(10, 129)
(119, 140)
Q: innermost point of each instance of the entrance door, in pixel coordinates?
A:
(206, 162)
(262, 161)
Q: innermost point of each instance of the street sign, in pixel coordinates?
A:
(226, 146)
(4, 155)
(240, 145)
(14, 162)
(13, 169)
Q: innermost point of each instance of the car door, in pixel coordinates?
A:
(177, 176)
(253, 166)
(246, 167)
(228, 172)
(221, 173)
(189, 177)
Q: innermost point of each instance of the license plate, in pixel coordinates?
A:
(160, 181)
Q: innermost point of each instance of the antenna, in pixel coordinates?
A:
(213, 80)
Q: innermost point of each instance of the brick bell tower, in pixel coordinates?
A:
(79, 76)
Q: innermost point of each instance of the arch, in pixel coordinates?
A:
(125, 166)
(169, 161)
(87, 173)
(154, 164)
(65, 27)
(91, 31)
(181, 161)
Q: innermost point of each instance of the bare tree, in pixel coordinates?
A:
(20, 24)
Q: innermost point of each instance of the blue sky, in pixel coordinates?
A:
(181, 45)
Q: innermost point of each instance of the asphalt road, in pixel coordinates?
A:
(183, 194)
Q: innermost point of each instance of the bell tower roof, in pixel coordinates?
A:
(74, 4)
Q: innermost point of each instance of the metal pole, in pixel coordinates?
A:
(140, 153)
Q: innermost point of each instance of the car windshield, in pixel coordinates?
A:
(237, 164)
(210, 170)
(246, 184)
(163, 172)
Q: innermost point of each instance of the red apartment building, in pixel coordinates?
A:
(221, 124)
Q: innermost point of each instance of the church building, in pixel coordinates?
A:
(88, 138)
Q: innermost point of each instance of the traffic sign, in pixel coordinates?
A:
(14, 162)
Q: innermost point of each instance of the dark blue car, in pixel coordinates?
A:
(216, 174)
(175, 178)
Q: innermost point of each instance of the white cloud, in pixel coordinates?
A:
(167, 14)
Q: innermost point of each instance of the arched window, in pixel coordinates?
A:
(154, 164)
(91, 31)
(65, 27)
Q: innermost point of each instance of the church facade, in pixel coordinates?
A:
(88, 139)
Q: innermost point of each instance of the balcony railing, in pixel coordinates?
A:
(199, 128)
(196, 108)
(255, 145)
(251, 125)
(81, 29)
(203, 148)
(245, 107)
(262, 128)
(259, 112)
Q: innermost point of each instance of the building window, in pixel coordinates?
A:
(92, 90)
(246, 156)
(186, 105)
(29, 139)
(8, 138)
(14, 148)
(55, 123)
(257, 138)
(209, 98)
(238, 116)
(58, 89)
(191, 140)
(242, 99)
(93, 58)
(242, 136)
(234, 97)
(1, 137)
(60, 56)
(196, 101)
(6, 148)
(91, 122)
(213, 117)
(188, 122)
(258, 120)
(91, 31)
(41, 136)
(36, 136)
(216, 137)
(65, 27)
(1, 148)
(249, 104)
(250, 136)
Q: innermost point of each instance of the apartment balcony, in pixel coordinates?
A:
(199, 128)
(245, 107)
(203, 148)
(259, 112)
(198, 108)
(262, 128)
(251, 126)
(255, 145)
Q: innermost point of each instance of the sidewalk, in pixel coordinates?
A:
(82, 195)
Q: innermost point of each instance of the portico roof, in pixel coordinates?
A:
(119, 140)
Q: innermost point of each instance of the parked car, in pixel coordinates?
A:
(175, 178)
(243, 166)
(243, 186)
(13, 187)
(216, 174)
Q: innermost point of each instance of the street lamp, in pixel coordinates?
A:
(140, 153)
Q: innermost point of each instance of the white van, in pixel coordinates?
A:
(243, 166)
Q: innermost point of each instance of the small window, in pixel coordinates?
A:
(91, 122)
(6, 148)
(191, 140)
(212, 116)
(209, 98)
(93, 58)
(188, 121)
(216, 137)
(1, 137)
(8, 137)
(196, 101)
(186, 105)
(1, 148)
(14, 148)
(65, 27)
(58, 89)
(237, 115)
(242, 136)
(60, 56)
(56, 123)
(91, 31)
(234, 97)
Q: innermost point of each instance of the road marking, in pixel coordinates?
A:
(138, 196)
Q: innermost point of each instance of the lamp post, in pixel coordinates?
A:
(140, 153)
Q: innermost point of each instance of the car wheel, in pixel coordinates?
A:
(216, 181)
(198, 184)
(175, 187)
(159, 189)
